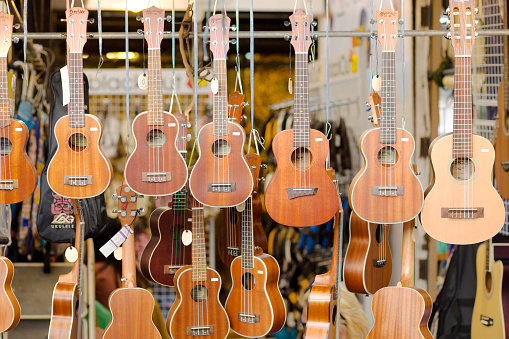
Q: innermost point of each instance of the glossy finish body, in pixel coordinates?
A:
(308, 210)
(502, 145)
(64, 318)
(10, 311)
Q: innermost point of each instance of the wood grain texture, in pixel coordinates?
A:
(64, 312)
(165, 158)
(264, 299)
(17, 165)
(322, 307)
(360, 274)
(185, 312)
(10, 310)
(90, 161)
(502, 145)
(303, 211)
(393, 209)
(488, 298)
(165, 246)
(131, 315)
(228, 169)
(450, 193)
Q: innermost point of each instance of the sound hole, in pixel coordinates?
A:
(379, 233)
(489, 282)
(177, 232)
(221, 148)
(462, 169)
(232, 215)
(5, 146)
(302, 158)
(78, 142)
(199, 293)
(155, 138)
(248, 281)
(387, 156)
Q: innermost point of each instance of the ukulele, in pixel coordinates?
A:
(255, 305)
(131, 307)
(79, 168)
(368, 260)
(301, 194)
(18, 177)
(488, 313)
(167, 250)
(155, 167)
(221, 176)
(386, 180)
(10, 310)
(197, 311)
(402, 311)
(461, 205)
(323, 297)
(236, 105)
(66, 306)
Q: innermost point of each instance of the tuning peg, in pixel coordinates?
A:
(139, 18)
(90, 35)
(476, 34)
(189, 136)
(63, 34)
(261, 180)
(476, 10)
(448, 36)
(287, 37)
(367, 104)
(314, 37)
(140, 210)
(167, 32)
(401, 21)
(114, 197)
(287, 23)
(116, 211)
(189, 124)
(476, 22)
(246, 104)
(140, 31)
(253, 168)
(15, 39)
(91, 20)
(263, 166)
(233, 41)
(168, 18)
(314, 23)
(16, 26)
(448, 11)
(63, 19)
(233, 28)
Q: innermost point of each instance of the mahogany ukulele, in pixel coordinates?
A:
(402, 311)
(221, 176)
(131, 307)
(461, 205)
(488, 313)
(79, 168)
(301, 194)
(386, 180)
(254, 305)
(155, 168)
(197, 311)
(10, 310)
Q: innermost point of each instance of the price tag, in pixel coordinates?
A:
(117, 240)
(376, 83)
(71, 254)
(142, 81)
(66, 97)
(214, 86)
(187, 237)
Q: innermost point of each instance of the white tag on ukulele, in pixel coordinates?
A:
(64, 74)
(71, 254)
(143, 81)
(214, 86)
(187, 237)
(117, 240)
(376, 83)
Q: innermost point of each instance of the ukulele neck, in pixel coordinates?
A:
(128, 263)
(489, 255)
(220, 101)
(408, 255)
(388, 106)
(5, 105)
(247, 249)
(199, 250)
(74, 275)
(462, 130)
(301, 102)
(155, 88)
(77, 100)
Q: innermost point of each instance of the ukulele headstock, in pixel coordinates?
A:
(236, 106)
(254, 162)
(77, 19)
(301, 31)
(375, 103)
(182, 136)
(6, 23)
(127, 204)
(462, 20)
(387, 25)
(153, 25)
(219, 26)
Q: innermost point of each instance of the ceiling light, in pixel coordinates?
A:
(121, 55)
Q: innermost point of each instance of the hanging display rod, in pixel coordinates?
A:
(267, 34)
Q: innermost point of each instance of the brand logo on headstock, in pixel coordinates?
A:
(153, 11)
(76, 11)
(300, 16)
(388, 13)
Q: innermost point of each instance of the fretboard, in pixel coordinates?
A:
(155, 88)
(199, 259)
(247, 235)
(488, 255)
(5, 105)
(462, 127)
(179, 202)
(77, 100)
(220, 102)
(506, 75)
(301, 102)
(388, 105)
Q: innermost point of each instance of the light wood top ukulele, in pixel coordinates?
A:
(461, 205)
(18, 177)
(79, 168)
(131, 307)
(386, 179)
(301, 194)
(10, 311)
(155, 168)
(221, 176)
(488, 313)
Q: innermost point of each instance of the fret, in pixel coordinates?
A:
(199, 250)
(76, 94)
(220, 99)
(301, 121)
(5, 105)
(388, 104)
(155, 88)
(462, 124)
(247, 235)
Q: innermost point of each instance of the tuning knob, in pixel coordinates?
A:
(140, 31)
(233, 28)
(188, 124)
(91, 20)
(263, 166)
(114, 197)
(287, 23)
(15, 40)
(233, 41)
(261, 180)
(168, 18)
(16, 26)
(287, 37)
(314, 23)
(90, 35)
(116, 211)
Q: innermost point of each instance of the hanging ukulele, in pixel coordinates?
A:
(301, 193)
(79, 168)
(461, 205)
(155, 168)
(18, 177)
(10, 310)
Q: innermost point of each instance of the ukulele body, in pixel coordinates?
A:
(165, 253)
(64, 313)
(10, 311)
(502, 146)
(488, 299)
(225, 169)
(401, 313)
(79, 161)
(131, 315)
(15, 164)
(449, 194)
(394, 170)
(186, 313)
(309, 209)
(322, 307)
(156, 152)
(263, 300)
(368, 261)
